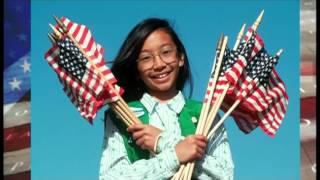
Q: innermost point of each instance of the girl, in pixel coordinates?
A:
(152, 66)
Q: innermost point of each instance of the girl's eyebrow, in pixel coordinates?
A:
(163, 45)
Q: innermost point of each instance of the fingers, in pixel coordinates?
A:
(137, 134)
(201, 138)
(201, 144)
(135, 127)
(200, 152)
(140, 141)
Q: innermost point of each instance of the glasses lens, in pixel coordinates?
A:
(167, 54)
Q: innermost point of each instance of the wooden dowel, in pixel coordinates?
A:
(178, 173)
(239, 37)
(206, 104)
(56, 32)
(215, 110)
(258, 21)
(52, 40)
(223, 119)
(189, 169)
(123, 116)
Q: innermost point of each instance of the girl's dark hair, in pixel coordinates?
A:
(125, 64)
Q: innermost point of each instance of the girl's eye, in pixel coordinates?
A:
(166, 52)
(146, 58)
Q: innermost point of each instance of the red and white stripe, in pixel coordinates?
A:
(93, 91)
(233, 73)
(258, 45)
(250, 111)
(16, 138)
(95, 52)
(263, 107)
(272, 118)
(221, 84)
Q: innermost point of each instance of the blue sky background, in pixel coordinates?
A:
(65, 146)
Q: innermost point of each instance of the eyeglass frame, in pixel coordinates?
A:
(158, 53)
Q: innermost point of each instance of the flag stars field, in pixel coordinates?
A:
(26, 66)
(15, 84)
(22, 37)
(12, 54)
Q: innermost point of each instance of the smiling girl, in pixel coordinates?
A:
(152, 66)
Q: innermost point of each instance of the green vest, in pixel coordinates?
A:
(191, 109)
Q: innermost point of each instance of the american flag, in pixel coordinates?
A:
(232, 65)
(251, 44)
(261, 91)
(87, 89)
(16, 91)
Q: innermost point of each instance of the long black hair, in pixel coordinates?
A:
(125, 64)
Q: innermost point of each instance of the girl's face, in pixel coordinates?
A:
(158, 65)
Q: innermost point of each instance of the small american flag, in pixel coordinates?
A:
(261, 91)
(245, 55)
(87, 89)
(232, 65)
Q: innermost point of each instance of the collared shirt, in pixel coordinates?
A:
(115, 164)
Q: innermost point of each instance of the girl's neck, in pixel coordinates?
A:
(164, 97)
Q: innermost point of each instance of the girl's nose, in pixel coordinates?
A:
(158, 63)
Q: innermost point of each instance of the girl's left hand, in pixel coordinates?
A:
(144, 135)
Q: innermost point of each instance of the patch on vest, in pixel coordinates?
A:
(137, 111)
(194, 119)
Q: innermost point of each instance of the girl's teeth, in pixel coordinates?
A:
(162, 75)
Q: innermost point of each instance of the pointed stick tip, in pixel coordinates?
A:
(258, 21)
(56, 19)
(56, 32)
(243, 26)
(242, 30)
(261, 15)
(279, 52)
(60, 23)
(51, 38)
(51, 26)
(219, 44)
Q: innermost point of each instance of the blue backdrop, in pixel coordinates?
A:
(65, 146)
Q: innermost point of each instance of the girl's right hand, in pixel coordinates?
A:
(191, 148)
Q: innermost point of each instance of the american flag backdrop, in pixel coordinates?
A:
(16, 90)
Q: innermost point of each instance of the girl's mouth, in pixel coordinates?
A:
(159, 78)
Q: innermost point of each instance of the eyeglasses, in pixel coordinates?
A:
(167, 54)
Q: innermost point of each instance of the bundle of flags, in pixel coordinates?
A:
(256, 84)
(244, 84)
(80, 65)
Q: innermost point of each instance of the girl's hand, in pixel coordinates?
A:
(191, 148)
(145, 135)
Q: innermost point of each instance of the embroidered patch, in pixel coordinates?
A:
(194, 119)
(137, 111)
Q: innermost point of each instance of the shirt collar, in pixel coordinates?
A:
(175, 104)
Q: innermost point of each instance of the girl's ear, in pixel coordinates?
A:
(181, 61)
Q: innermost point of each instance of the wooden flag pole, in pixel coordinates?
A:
(239, 37)
(254, 27)
(190, 166)
(210, 88)
(216, 107)
(206, 104)
(223, 118)
(52, 40)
